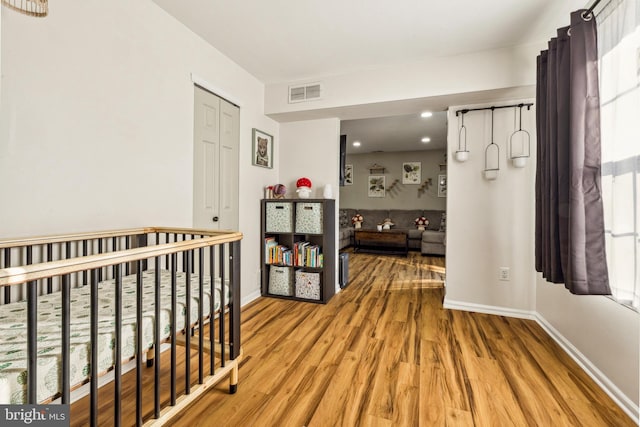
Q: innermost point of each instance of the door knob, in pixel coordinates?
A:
(215, 219)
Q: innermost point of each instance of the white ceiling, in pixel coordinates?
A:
(396, 133)
(288, 40)
(293, 40)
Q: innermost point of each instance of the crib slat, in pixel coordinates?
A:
(201, 315)
(118, 347)
(95, 274)
(174, 318)
(187, 346)
(49, 258)
(139, 308)
(223, 264)
(32, 342)
(66, 338)
(234, 304)
(7, 264)
(156, 341)
(212, 272)
(32, 338)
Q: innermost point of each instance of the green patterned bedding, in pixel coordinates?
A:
(13, 330)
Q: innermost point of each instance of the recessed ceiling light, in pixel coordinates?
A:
(356, 143)
(426, 114)
(426, 139)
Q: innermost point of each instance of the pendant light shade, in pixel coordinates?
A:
(38, 8)
(491, 157)
(462, 154)
(522, 140)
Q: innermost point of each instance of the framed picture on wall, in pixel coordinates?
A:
(348, 174)
(442, 185)
(412, 173)
(262, 149)
(376, 185)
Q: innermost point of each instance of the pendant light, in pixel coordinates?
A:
(520, 160)
(491, 152)
(37, 8)
(462, 154)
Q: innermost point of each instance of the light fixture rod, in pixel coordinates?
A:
(493, 107)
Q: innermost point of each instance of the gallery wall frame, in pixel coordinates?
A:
(262, 149)
(412, 173)
(376, 186)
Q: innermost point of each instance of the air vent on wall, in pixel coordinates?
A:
(306, 92)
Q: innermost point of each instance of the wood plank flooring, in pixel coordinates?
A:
(384, 352)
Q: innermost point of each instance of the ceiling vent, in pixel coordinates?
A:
(306, 92)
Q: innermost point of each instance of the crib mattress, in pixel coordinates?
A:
(13, 329)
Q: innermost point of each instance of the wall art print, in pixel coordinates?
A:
(262, 149)
(412, 173)
(348, 174)
(376, 185)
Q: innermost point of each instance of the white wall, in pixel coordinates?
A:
(603, 333)
(97, 121)
(501, 68)
(311, 149)
(402, 196)
(490, 223)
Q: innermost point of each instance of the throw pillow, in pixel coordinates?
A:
(443, 222)
(343, 219)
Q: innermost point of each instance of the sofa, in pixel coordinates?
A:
(431, 241)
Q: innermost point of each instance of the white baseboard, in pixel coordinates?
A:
(627, 405)
(489, 309)
(249, 298)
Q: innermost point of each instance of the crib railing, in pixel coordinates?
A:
(37, 266)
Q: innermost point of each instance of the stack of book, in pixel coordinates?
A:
(306, 254)
(276, 253)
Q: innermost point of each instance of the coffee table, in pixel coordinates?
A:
(386, 241)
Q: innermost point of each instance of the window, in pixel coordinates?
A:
(619, 62)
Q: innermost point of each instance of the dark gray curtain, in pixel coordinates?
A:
(569, 233)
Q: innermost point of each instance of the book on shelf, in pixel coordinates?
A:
(307, 254)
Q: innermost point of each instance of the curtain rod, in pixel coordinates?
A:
(493, 107)
(590, 10)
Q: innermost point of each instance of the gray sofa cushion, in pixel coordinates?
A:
(434, 218)
(404, 218)
(430, 236)
(414, 233)
(373, 217)
(345, 232)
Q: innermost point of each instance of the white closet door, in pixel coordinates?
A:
(215, 162)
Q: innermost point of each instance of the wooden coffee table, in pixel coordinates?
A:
(387, 241)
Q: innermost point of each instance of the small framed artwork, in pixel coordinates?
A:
(262, 151)
(442, 185)
(412, 173)
(348, 174)
(376, 185)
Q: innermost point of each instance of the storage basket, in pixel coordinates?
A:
(280, 281)
(309, 218)
(279, 217)
(307, 285)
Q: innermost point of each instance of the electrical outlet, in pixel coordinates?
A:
(503, 273)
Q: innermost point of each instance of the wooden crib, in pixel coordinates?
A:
(76, 307)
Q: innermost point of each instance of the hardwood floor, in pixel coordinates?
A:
(384, 352)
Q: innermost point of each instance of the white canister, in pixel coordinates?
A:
(328, 191)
